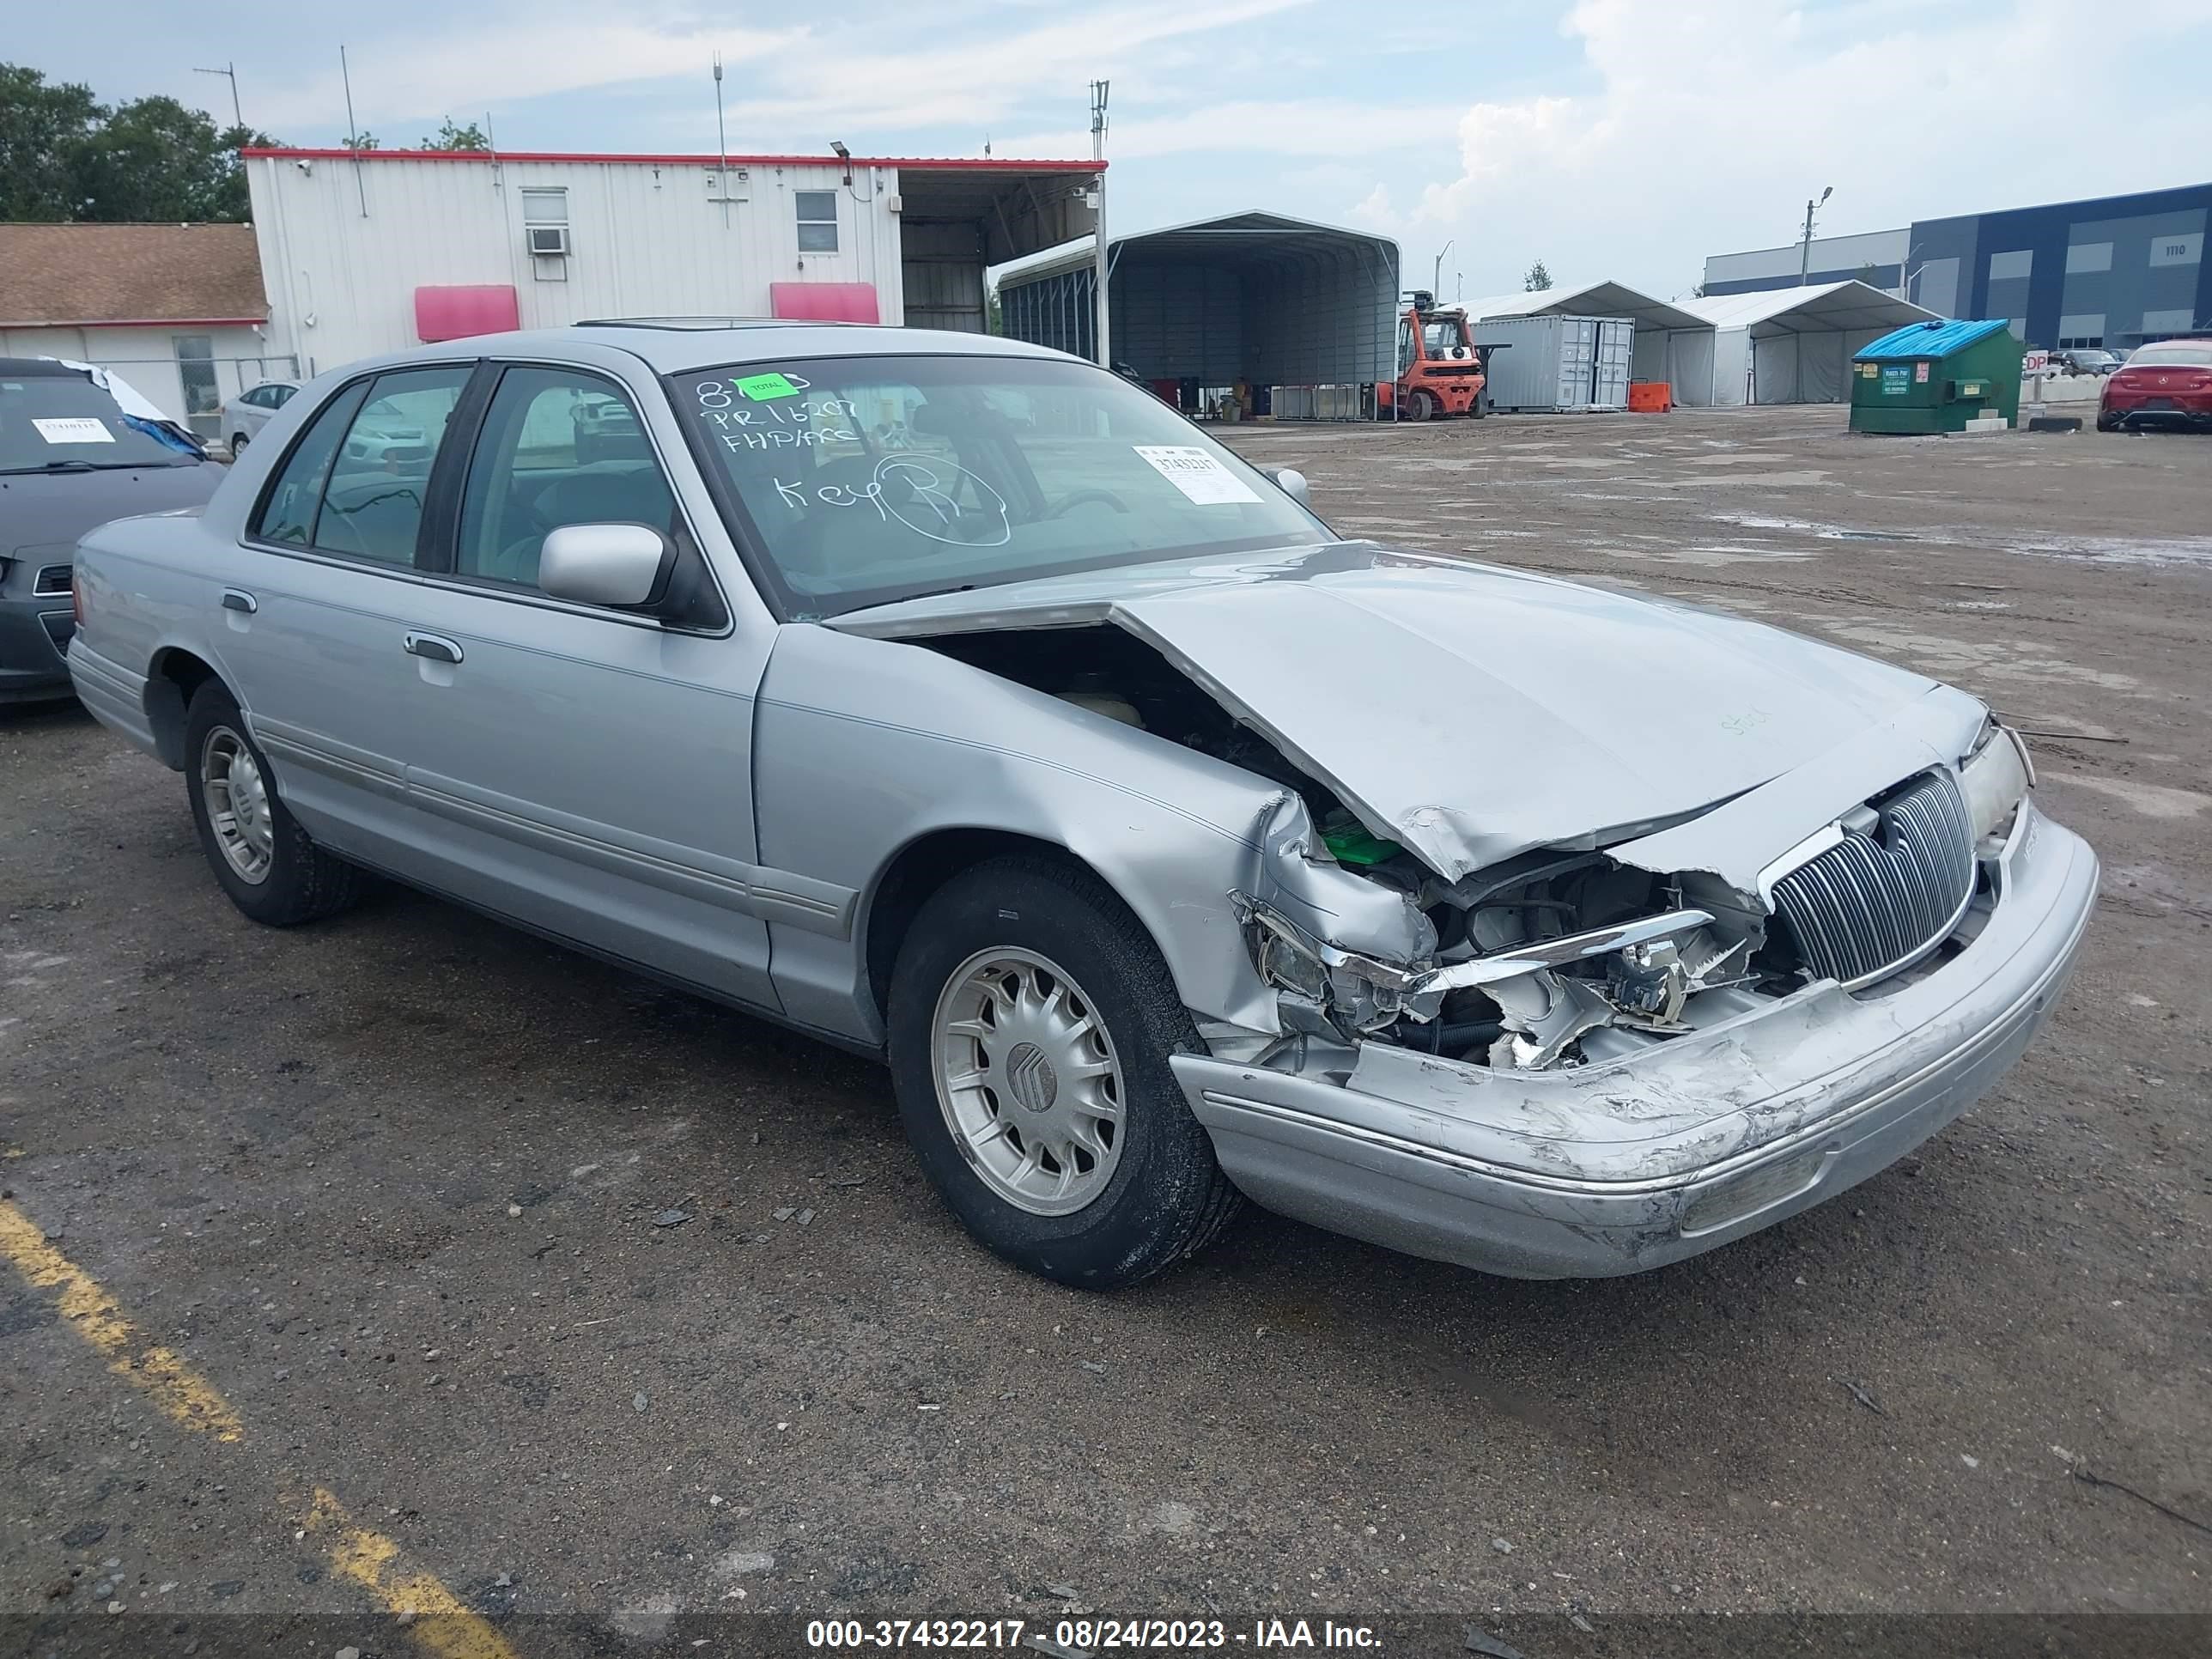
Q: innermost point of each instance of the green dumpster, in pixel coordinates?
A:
(1937, 377)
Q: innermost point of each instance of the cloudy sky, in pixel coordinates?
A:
(1624, 138)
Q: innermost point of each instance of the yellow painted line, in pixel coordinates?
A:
(443, 1622)
(183, 1395)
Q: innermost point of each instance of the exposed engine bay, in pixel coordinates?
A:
(1556, 957)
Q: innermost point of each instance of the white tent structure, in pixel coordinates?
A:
(1672, 343)
(1794, 345)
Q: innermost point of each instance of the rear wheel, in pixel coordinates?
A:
(1420, 405)
(238, 442)
(1031, 1020)
(270, 866)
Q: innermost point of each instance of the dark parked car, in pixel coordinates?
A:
(69, 459)
(2084, 359)
(2168, 384)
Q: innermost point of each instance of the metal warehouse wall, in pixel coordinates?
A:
(342, 256)
(1328, 319)
(1310, 312)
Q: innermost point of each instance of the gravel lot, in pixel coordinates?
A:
(396, 1187)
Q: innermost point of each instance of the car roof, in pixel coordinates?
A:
(25, 368)
(671, 345)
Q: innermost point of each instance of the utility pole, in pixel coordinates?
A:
(230, 70)
(1101, 277)
(1436, 276)
(1805, 260)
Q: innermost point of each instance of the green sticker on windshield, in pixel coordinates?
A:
(761, 387)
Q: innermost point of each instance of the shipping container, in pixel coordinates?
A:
(1554, 364)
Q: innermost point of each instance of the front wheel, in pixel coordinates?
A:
(238, 442)
(270, 866)
(1031, 1020)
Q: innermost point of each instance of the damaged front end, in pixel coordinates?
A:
(1559, 959)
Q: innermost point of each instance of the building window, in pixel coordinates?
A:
(818, 220)
(2019, 262)
(545, 207)
(195, 378)
(2088, 256)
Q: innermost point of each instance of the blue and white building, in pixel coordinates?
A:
(2114, 271)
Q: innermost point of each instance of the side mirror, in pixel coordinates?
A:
(625, 565)
(1293, 482)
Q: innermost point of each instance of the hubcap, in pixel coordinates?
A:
(1028, 1080)
(237, 798)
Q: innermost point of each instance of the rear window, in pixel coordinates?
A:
(65, 424)
(2172, 356)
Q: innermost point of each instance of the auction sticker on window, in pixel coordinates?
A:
(74, 429)
(1195, 473)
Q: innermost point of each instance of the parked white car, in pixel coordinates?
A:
(244, 415)
(1169, 847)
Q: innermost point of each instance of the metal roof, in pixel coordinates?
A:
(1934, 340)
(1599, 299)
(935, 163)
(1820, 308)
(1252, 238)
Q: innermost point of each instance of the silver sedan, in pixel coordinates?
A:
(957, 701)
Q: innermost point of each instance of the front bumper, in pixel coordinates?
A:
(34, 634)
(1630, 1164)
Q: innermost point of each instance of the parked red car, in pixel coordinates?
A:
(2169, 384)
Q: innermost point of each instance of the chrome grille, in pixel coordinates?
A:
(1866, 906)
(52, 581)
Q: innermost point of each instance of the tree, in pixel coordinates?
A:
(450, 136)
(64, 155)
(1537, 280)
(43, 130)
(363, 141)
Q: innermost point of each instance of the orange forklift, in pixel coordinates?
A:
(1441, 371)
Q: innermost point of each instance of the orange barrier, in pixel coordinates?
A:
(1649, 397)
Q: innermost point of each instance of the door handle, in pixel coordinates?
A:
(436, 647)
(237, 599)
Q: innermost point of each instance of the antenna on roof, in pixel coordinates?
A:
(353, 136)
(721, 143)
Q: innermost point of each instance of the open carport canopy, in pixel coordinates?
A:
(1672, 343)
(1252, 296)
(1794, 345)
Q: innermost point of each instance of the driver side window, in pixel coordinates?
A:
(559, 446)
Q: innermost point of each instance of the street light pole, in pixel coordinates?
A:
(1437, 277)
(1805, 260)
(229, 70)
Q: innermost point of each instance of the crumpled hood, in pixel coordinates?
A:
(1468, 712)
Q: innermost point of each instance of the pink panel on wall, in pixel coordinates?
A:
(452, 314)
(824, 302)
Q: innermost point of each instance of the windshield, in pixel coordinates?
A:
(2186, 356)
(64, 418)
(1439, 335)
(871, 479)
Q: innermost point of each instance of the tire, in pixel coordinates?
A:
(238, 442)
(1159, 1195)
(1480, 407)
(2107, 423)
(292, 880)
(1419, 406)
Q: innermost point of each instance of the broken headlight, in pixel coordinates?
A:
(1994, 777)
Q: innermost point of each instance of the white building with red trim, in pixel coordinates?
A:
(373, 252)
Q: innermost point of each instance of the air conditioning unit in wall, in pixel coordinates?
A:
(548, 241)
